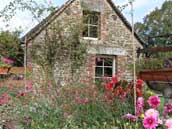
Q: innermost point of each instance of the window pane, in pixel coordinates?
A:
(99, 71)
(108, 72)
(86, 19)
(93, 31)
(85, 31)
(99, 61)
(94, 19)
(91, 23)
(108, 62)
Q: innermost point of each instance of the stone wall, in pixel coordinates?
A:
(114, 35)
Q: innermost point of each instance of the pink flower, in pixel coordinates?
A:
(154, 101)
(152, 112)
(160, 121)
(150, 122)
(168, 124)
(130, 117)
(29, 87)
(140, 101)
(6, 60)
(86, 100)
(27, 120)
(4, 99)
(139, 106)
(167, 109)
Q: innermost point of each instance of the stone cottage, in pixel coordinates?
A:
(107, 34)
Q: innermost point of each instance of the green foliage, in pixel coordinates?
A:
(85, 115)
(38, 9)
(161, 107)
(43, 116)
(158, 22)
(124, 107)
(10, 46)
(59, 109)
(2, 64)
(149, 64)
(157, 61)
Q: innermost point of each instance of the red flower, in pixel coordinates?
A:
(29, 88)
(43, 92)
(109, 86)
(21, 94)
(114, 79)
(139, 93)
(27, 120)
(129, 89)
(118, 91)
(108, 97)
(86, 100)
(139, 84)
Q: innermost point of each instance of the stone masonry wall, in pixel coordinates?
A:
(113, 34)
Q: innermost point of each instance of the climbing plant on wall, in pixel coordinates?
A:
(60, 46)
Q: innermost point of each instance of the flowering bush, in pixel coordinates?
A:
(124, 88)
(5, 62)
(40, 105)
(150, 118)
(44, 106)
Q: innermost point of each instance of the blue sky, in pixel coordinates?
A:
(23, 19)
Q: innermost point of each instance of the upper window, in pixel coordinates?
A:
(91, 22)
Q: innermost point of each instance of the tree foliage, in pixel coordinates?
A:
(9, 41)
(37, 9)
(158, 22)
(10, 46)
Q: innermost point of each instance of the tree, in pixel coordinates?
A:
(158, 22)
(38, 10)
(10, 46)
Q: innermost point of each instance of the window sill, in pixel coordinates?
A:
(90, 38)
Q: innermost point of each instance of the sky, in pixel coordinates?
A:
(24, 20)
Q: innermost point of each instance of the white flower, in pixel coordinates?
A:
(168, 123)
(152, 112)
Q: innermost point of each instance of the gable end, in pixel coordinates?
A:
(44, 23)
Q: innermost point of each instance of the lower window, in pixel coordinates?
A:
(105, 67)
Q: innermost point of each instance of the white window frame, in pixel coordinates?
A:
(103, 66)
(88, 25)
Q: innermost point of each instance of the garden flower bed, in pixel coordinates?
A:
(106, 105)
